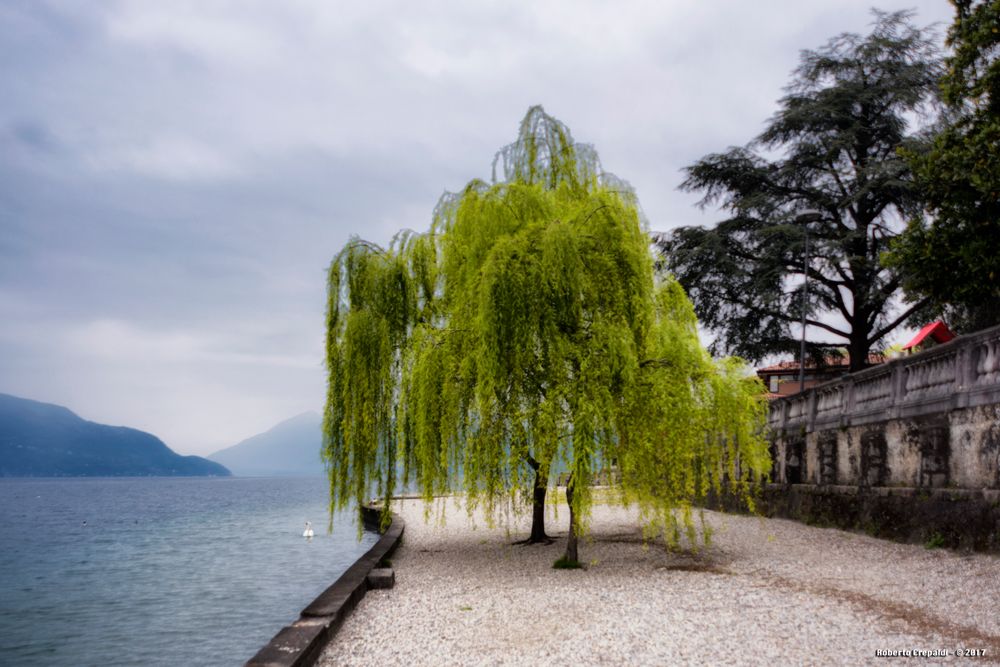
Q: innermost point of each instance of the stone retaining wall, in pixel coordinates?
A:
(955, 518)
(300, 644)
(909, 449)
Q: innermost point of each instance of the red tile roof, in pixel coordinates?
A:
(832, 362)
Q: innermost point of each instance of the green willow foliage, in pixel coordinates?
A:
(527, 326)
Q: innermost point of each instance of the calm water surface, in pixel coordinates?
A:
(159, 571)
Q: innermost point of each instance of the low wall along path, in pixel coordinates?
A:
(300, 643)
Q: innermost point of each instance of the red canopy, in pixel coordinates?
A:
(938, 330)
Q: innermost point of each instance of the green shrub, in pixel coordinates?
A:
(566, 564)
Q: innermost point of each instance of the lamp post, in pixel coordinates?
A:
(804, 219)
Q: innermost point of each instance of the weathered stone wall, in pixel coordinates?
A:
(957, 449)
(926, 422)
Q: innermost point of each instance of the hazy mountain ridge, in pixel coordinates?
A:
(289, 449)
(45, 440)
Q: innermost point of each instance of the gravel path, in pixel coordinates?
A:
(766, 591)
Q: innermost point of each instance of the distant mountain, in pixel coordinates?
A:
(45, 440)
(289, 449)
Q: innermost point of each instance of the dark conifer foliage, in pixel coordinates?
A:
(831, 148)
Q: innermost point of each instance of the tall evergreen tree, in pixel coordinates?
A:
(834, 140)
(525, 328)
(951, 254)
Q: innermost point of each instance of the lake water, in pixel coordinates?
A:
(160, 571)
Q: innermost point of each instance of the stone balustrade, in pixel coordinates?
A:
(963, 373)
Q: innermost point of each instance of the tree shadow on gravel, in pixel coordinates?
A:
(702, 559)
(529, 542)
(913, 618)
(706, 568)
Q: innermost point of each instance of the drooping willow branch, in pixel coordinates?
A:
(570, 354)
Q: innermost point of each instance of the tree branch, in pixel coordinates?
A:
(817, 276)
(824, 325)
(899, 320)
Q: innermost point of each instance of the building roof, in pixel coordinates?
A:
(831, 363)
(937, 330)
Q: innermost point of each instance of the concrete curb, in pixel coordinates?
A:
(300, 644)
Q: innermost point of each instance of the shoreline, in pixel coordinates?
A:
(301, 642)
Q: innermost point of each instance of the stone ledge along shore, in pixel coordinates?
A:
(299, 644)
(765, 591)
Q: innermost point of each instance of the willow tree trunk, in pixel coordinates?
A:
(571, 555)
(538, 505)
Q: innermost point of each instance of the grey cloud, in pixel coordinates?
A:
(175, 177)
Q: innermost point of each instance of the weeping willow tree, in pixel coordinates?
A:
(526, 328)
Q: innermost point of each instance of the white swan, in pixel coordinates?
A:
(308, 532)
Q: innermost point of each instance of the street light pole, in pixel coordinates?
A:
(805, 218)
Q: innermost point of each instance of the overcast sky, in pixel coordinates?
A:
(176, 176)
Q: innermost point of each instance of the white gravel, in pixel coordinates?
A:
(766, 591)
